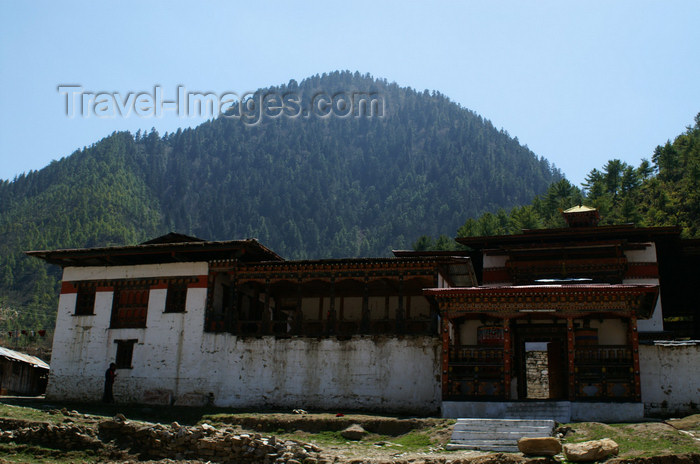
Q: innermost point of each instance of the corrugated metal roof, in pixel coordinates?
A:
(676, 342)
(17, 356)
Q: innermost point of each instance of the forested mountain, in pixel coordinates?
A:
(662, 192)
(308, 187)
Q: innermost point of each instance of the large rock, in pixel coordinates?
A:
(594, 450)
(539, 446)
(354, 432)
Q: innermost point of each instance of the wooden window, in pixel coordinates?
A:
(176, 298)
(85, 302)
(125, 353)
(129, 308)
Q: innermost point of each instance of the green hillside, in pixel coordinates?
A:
(662, 192)
(306, 187)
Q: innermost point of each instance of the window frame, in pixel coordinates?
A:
(176, 298)
(124, 356)
(85, 301)
(127, 313)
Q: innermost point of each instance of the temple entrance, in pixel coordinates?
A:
(540, 353)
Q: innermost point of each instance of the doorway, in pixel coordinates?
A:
(541, 370)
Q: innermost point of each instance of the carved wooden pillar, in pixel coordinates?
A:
(298, 313)
(232, 311)
(321, 322)
(331, 327)
(507, 364)
(208, 312)
(634, 339)
(400, 319)
(434, 311)
(571, 351)
(267, 316)
(365, 308)
(445, 365)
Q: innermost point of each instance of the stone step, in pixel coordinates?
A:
(483, 445)
(497, 434)
(505, 422)
(509, 430)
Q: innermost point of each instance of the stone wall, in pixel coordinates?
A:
(537, 373)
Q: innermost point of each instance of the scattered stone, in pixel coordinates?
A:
(208, 428)
(539, 446)
(594, 450)
(204, 442)
(354, 432)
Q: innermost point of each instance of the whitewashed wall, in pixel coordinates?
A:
(648, 255)
(83, 346)
(175, 361)
(670, 379)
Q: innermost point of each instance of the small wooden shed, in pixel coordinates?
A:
(22, 374)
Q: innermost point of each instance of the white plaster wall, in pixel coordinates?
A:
(467, 332)
(379, 373)
(309, 308)
(134, 272)
(670, 379)
(420, 306)
(610, 331)
(83, 346)
(656, 322)
(494, 260)
(647, 255)
(376, 307)
(80, 349)
(173, 354)
(352, 308)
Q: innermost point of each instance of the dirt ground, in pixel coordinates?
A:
(389, 439)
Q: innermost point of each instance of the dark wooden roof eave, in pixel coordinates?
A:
(567, 234)
(158, 253)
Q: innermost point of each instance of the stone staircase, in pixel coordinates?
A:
(497, 434)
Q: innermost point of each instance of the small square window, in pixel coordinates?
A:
(125, 353)
(176, 298)
(85, 302)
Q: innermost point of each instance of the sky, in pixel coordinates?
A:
(578, 82)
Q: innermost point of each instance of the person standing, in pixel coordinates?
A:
(110, 374)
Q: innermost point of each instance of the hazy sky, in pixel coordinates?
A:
(578, 82)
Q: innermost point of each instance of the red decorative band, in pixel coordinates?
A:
(68, 287)
(495, 275)
(642, 270)
(201, 282)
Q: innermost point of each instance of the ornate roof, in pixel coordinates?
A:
(572, 299)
